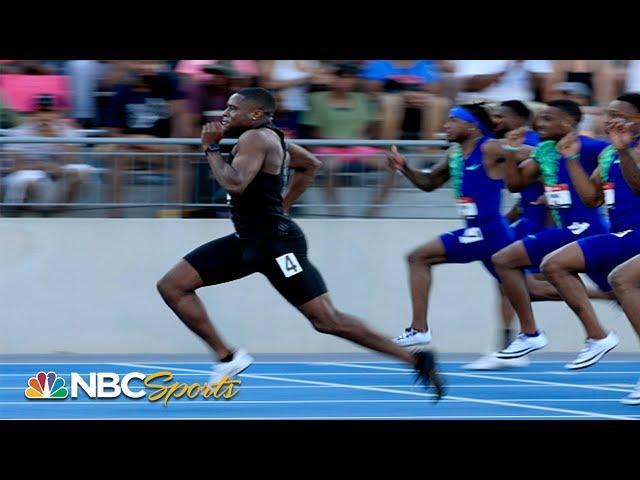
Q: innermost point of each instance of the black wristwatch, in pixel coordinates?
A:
(213, 147)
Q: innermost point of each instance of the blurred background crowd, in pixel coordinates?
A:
(323, 101)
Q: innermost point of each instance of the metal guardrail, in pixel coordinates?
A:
(226, 141)
(82, 131)
(150, 187)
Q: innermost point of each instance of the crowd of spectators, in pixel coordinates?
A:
(321, 99)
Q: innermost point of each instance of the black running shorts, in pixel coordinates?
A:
(283, 261)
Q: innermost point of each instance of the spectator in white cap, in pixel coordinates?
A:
(591, 123)
(576, 91)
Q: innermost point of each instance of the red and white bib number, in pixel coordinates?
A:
(558, 196)
(467, 207)
(609, 194)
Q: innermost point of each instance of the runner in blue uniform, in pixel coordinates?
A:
(557, 125)
(527, 216)
(625, 278)
(598, 255)
(477, 181)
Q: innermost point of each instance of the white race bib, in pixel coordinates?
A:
(609, 194)
(467, 207)
(558, 196)
(289, 264)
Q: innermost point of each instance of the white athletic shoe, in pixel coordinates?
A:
(492, 362)
(412, 338)
(593, 351)
(240, 362)
(522, 345)
(634, 397)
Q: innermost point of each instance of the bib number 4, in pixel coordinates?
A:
(289, 264)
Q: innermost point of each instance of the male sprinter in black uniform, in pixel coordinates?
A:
(266, 239)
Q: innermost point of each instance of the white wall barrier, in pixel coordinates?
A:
(88, 286)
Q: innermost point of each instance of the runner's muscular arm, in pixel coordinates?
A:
(621, 134)
(589, 188)
(514, 213)
(518, 176)
(427, 181)
(495, 156)
(247, 162)
(304, 165)
(518, 171)
(629, 160)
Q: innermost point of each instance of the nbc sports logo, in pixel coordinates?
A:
(46, 386)
(109, 385)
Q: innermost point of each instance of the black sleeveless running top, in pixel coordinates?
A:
(257, 212)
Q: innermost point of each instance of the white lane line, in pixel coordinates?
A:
(404, 417)
(183, 402)
(497, 377)
(403, 392)
(398, 371)
(629, 386)
(196, 362)
(468, 399)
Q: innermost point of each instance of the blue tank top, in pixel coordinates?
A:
(562, 198)
(622, 204)
(535, 213)
(478, 195)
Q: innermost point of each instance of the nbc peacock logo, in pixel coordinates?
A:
(46, 386)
